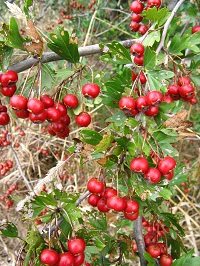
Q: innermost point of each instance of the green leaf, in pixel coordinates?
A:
(47, 199)
(165, 193)
(13, 37)
(5, 56)
(10, 230)
(178, 44)
(118, 118)
(66, 231)
(90, 136)
(149, 58)
(155, 15)
(60, 44)
(117, 53)
(104, 144)
(47, 76)
(185, 259)
(100, 223)
(151, 38)
(64, 73)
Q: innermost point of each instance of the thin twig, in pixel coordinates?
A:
(160, 46)
(82, 197)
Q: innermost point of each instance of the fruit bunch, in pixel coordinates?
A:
(137, 7)
(4, 137)
(5, 167)
(73, 257)
(153, 175)
(44, 108)
(106, 198)
(7, 201)
(182, 90)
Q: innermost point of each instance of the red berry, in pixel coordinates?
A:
(93, 199)
(150, 238)
(132, 206)
(70, 100)
(22, 113)
(83, 119)
(131, 216)
(155, 97)
(76, 245)
(186, 91)
(90, 90)
(166, 165)
(142, 78)
(36, 106)
(47, 101)
(139, 165)
(183, 80)
(142, 103)
(134, 26)
(153, 111)
(142, 29)
(63, 134)
(38, 118)
(102, 205)
(8, 78)
(137, 7)
(139, 60)
(195, 29)
(61, 108)
(18, 102)
(49, 256)
(8, 91)
(127, 103)
(53, 114)
(153, 174)
(137, 49)
(4, 119)
(65, 259)
(94, 185)
(116, 203)
(152, 3)
(154, 250)
(165, 260)
(79, 259)
(110, 192)
(137, 18)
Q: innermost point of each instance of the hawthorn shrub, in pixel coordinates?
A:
(106, 135)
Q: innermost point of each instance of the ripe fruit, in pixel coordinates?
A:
(137, 18)
(61, 108)
(183, 80)
(79, 259)
(36, 106)
(173, 90)
(110, 192)
(90, 90)
(154, 250)
(64, 133)
(163, 248)
(49, 256)
(83, 119)
(195, 29)
(155, 97)
(134, 26)
(116, 203)
(186, 91)
(142, 78)
(8, 78)
(8, 91)
(18, 102)
(76, 245)
(70, 100)
(136, 7)
(139, 165)
(127, 103)
(38, 118)
(47, 101)
(102, 205)
(131, 216)
(22, 113)
(66, 259)
(142, 103)
(166, 165)
(132, 206)
(95, 186)
(93, 199)
(153, 174)
(58, 126)
(152, 3)
(153, 111)
(142, 29)
(53, 114)
(137, 49)
(166, 260)
(4, 118)
(150, 238)
(170, 175)
(139, 60)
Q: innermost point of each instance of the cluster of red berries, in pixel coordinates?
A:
(157, 249)
(3, 138)
(39, 110)
(106, 198)
(5, 167)
(7, 201)
(183, 90)
(153, 175)
(137, 7)
(73, 257)
(137, 50)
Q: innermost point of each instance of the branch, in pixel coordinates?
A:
(138, 236)
(167, 25)
(82, 197)
(51, 56)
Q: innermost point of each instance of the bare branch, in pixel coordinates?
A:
(82, 197)
(51, 56)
